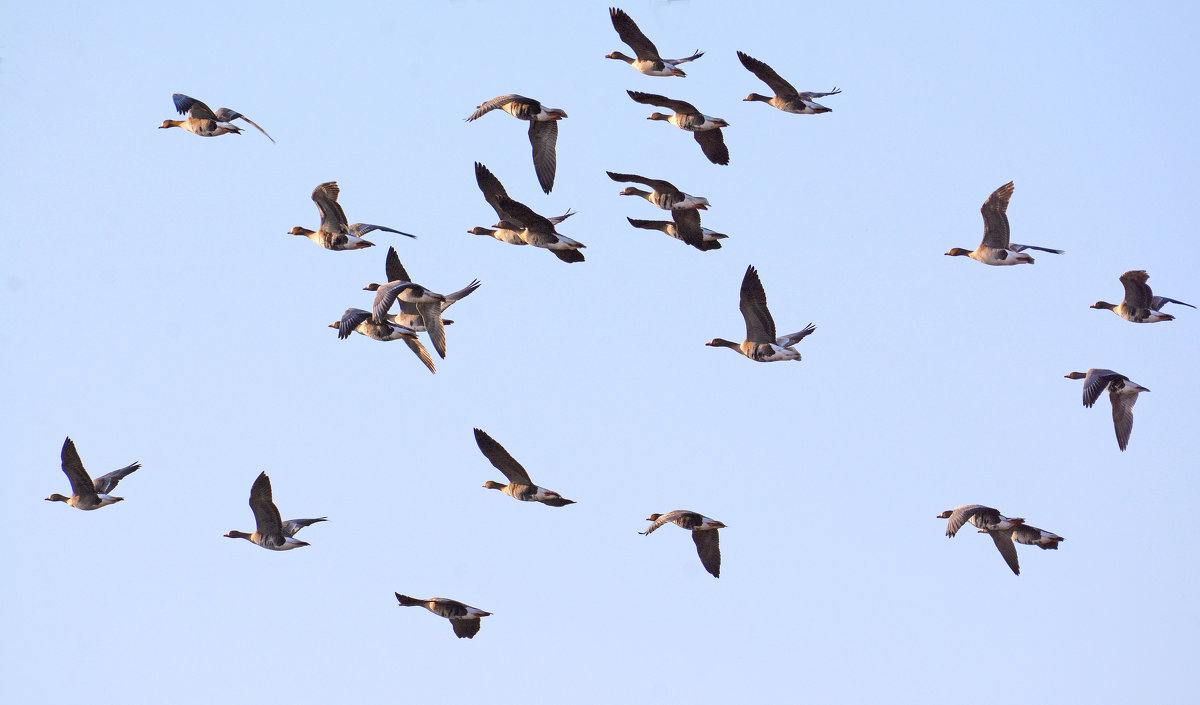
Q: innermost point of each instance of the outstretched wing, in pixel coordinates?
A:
(501, 458)
(995, 217)
(760, 327)
(768, 76)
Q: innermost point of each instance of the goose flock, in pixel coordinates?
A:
(421, 309)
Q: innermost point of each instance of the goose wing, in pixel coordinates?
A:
(995, 217)
(1122, 412)
(787, 341)
(350, 320)
(291, 526)
(656, 184)
(421, 353)
(501, 459)
(333, 218)
(527, 104)
(708, 546)
(712, 143)
(679, 106)
(1137, 291)
(228, 115)
(266, 516)
(543, 136)
(767, 75)
(760, 327)
(632, 35)
(431, 316)
(962, 514)
(493, 190)
(465, 628)
(687, 226)
(107, 483)
(72, 466)
(187, 105)
(1007, 548)
(1157, 302)
(1096, 381)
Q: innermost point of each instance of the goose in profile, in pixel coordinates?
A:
(88, 493)
(1122, 394)
(1033, 536)
(663, 193)
(706, 129)
(543, 130)
(335, 233)
(412, 315)
(786, 97)
(356, 319)
(426, 304)
(531, 228)
(463, 618)
(1140, 304)
(202, 120)
(704, 534)
(270, 531)
(761, 344)
(996, 248)
(989, 521)
(648, 61)
(685, 231)
(519, 485)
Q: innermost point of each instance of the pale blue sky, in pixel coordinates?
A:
(155, 309)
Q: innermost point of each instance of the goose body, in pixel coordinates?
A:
(761, 343)
(646, 59)
(363, 322)
(708, 239)
(706, 129)
(1140, 304)
(543, 130)
(1122, 395)
(519, 485)
(335, 232)
(989, 521)
(704, 535)
(87, 493)
(996, 249)
(786, 97)
(1033, 536)
(531, 228)
(464, 619)
(270, 531)
(204, 121)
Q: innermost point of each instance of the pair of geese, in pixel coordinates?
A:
(1003, 530)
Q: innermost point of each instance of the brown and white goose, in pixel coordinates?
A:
(1140, 304)
(543, 130)
(664, 194)
(686, 228)
(761, 344)
(704, 534)
(706, 129)
(202, 120)
(531, 228)
(1122, 395)
(989, 521)
(519, 485)
(463, 618)
(335, 232)
(996, 248)
(648, 61)
(88, 493)
(356, 319)
(412, 315)
(786, 97)
(270, 531)
(1033, 536)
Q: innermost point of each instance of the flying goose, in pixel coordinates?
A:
(426, 304)
(335, 232)
(786, 97)
(704, 534)
(519, 485)
(761, 344)
(530, 227)
(707, 130)
(664, 194)
(685, 230)
(648, 61)
(356, 319)
(995, 248)
(201, 120)
(543, 130)
(464, 618)
(988, 521)
(1140, 304)
(270, 531)
(1122, 394)
(1033, 536)
(86, 493)
(411, 315)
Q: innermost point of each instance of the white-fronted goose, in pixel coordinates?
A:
(1140, 304)
(519, 485)
(270, 531)
(464, 618)
(411, 315)
(995, 248)
(786, 97)
(664, 194)
(1033, 536)
(648, 61)
(356, 319)
(686, 232)
(1122, 394)
(989, 521)
(704, 534)
(202, 120)
(543, 130)
(86, 493)
(335, 232)
(706, 129)
(532, 228)
(761, 344)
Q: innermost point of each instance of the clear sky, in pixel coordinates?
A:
(155, 309)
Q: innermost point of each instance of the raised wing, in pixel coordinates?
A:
(227, 115)
(186, 105)
(350, 320)
(1096, 381)
(679, 106)
(107, 483)
(493, 190)
(655, 184)
(760, 327)
(768, 76)
(995, 217)
(501, 458)
(333, 218)
(266, 516)
(502, 100)
(632, 35)
(1137, 291)
(72, 466)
